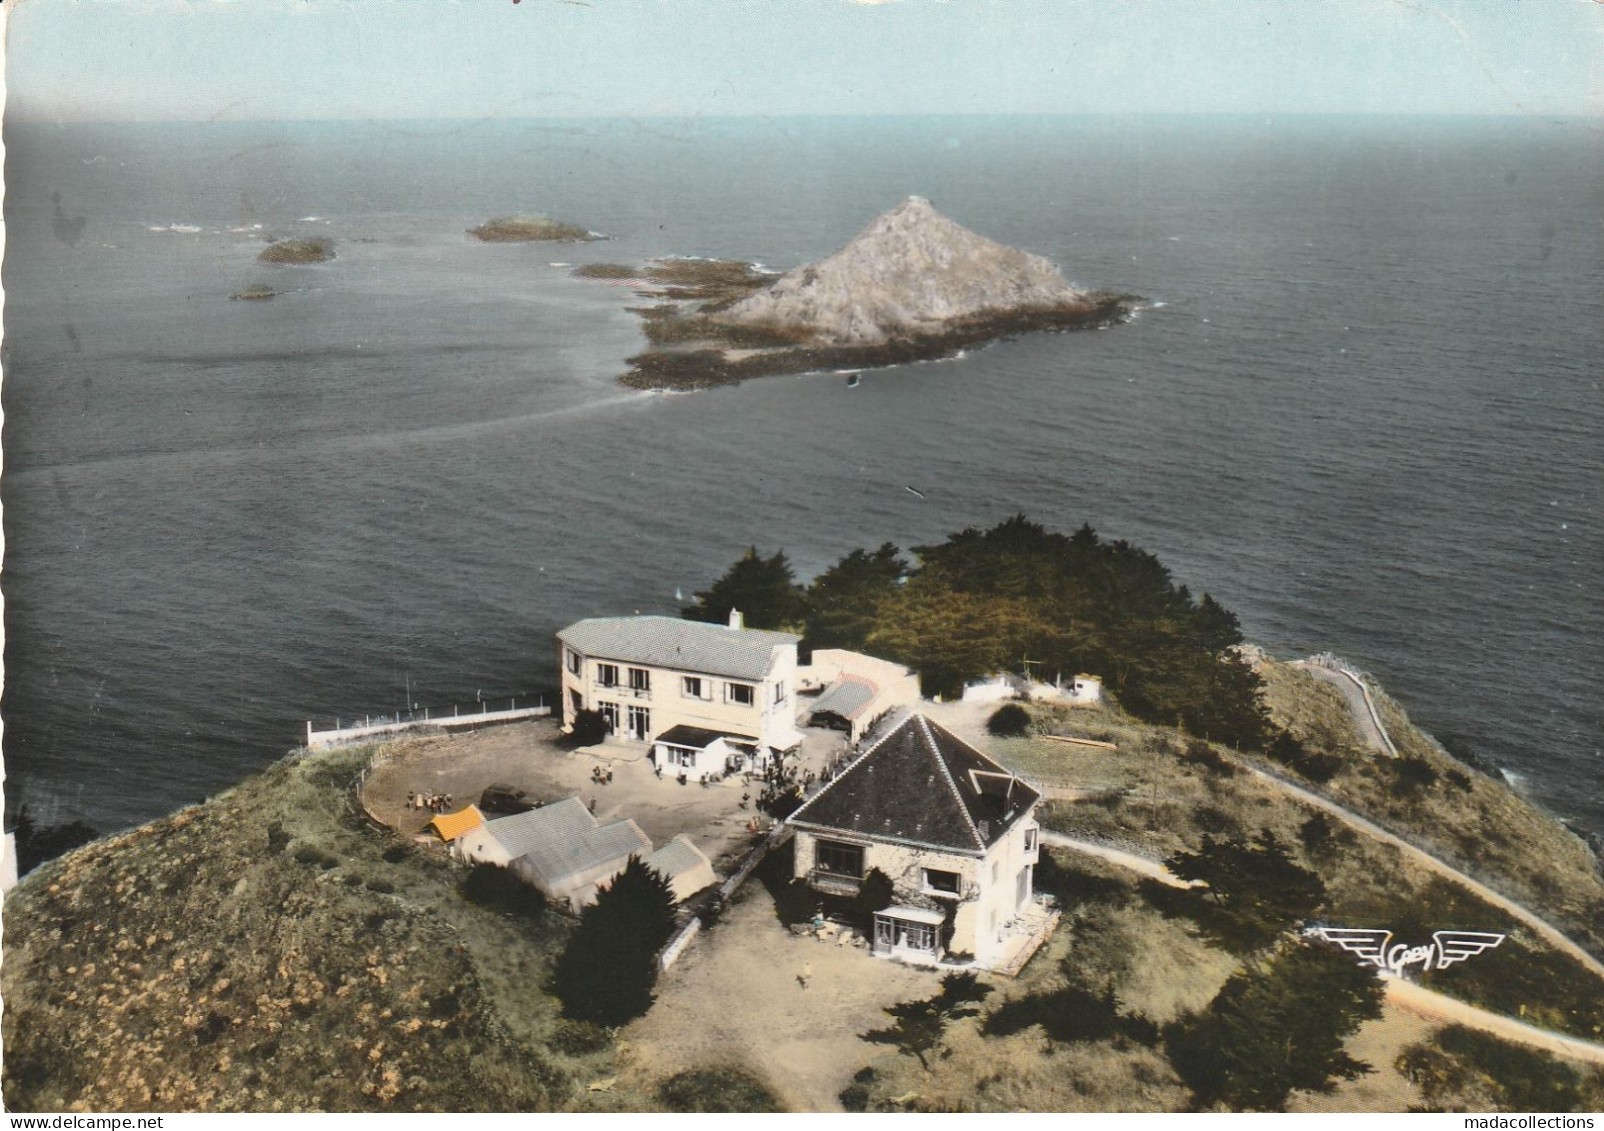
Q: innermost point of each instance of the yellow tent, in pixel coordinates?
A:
(449, 826)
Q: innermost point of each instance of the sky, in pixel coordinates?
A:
(121, 60)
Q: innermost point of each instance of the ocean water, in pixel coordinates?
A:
(1363, 411)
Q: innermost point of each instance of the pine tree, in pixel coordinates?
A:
(607, 971)
(764, 590)
(1277, 1026)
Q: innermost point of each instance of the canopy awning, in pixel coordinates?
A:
(912, 915)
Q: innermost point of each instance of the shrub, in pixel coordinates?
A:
(1009, 720)
(1318, 767)
(717, 1090)
(795, 902)
(855, 1096)
(494, 887)
(1200, 753)
(1411, 775)
(589, 728)
(1467, 1065)
(277, 838)
(313, 856)
(580, 1038)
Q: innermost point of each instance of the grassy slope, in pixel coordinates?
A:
(1152, 801)
(1480, 826)
(269, 950)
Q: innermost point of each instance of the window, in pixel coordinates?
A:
(640, 723)
(576, 700)
(682, 756)
(779, 693)
(740, 693)
(695, 687)
(610, 713)
(640, 679)
(1030, 839)
(892, 933)
(607, 675)
(573, 660)
(839, 859)
(936, 880)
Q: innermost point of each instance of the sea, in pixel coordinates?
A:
(1360, 406)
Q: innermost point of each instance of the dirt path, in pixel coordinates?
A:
(1440, 1007)
(1364, 717)
(1403, 994)
(735, 999)
(1152, 869)
(1551, 934)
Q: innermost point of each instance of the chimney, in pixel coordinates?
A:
(736, 620)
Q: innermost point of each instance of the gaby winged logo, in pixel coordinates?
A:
(1371, 945)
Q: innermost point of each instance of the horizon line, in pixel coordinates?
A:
(13, 116)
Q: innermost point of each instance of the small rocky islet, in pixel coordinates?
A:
(298, 251)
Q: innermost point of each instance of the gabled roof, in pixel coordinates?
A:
(848, 696)
(609, 846)
(523, 833)
(677, 856)
(923, 785)
(686, 645)
(449, 826)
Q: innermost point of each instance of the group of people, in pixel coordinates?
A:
(601, 776)
(434, 802)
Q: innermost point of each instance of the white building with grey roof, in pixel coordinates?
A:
(731, 688)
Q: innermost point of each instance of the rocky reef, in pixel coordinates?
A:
(298, 251)
(528, 229)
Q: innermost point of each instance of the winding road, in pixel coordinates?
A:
(1403, 994)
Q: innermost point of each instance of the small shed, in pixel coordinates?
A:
(699, 753)
(684, 866)
(844, 705)
(450, 826)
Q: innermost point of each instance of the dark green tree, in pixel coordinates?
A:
(1277, 1026)
(763, 589)
(1257, 881)
(606, 972)
(589, 728)
(1010, 719)
(920, 1025)
(843, 602)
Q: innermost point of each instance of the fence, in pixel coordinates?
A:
(340, 731)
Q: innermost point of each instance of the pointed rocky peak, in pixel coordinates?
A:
(911, 273)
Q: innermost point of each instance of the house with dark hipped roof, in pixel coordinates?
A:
(955, 831)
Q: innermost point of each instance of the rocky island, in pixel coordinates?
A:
(528, 229)
(911, 286)
(298, 251)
